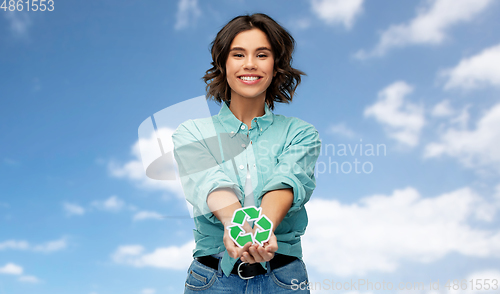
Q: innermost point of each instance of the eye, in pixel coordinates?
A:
(238, 55)
(262, 55)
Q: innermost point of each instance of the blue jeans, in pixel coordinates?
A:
(291, 278)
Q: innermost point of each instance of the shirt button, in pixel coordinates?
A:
(254, 165)
(243, 145)
(261, 129)
(232, 132)
(242, 167)
(243, 127)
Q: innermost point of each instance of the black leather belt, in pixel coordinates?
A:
(246, 270)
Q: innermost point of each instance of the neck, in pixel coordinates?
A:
(246, 109)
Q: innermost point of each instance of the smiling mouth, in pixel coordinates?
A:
(245, 78)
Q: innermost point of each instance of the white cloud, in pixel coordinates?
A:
(11, 269)
(341, 129)
(134, 169)
(29, 279)
(462, 118)
(143, 215)
(13, 244)
(172, 257)
(128, 250)
(337, 11)
(379, 232)
(73, 209)
(187, 12)
(442, 109)
(19, 22)
(473, 147)
(430, 26)
(148, 291)
(113, 203)
(480, 278)
(14, 269)
(46, 247)
(475, 72)
(402, 120)
(51, 246)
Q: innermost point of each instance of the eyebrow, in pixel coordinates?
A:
(242, 49)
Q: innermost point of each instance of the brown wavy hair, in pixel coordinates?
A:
(283, 85)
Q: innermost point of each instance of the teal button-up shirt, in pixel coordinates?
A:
(214, 152)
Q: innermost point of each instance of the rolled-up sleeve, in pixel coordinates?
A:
(199, 170)
(295, 166)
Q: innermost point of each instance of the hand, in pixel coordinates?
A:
(257, 253)
(234, 250)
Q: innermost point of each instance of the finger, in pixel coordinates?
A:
(244, 249)
(232, 248)
(267, 256)
(248, 258)
(244, 252)
(271, 248)
(233, 252)
(256, 254)
(229, 249)
(272, 244)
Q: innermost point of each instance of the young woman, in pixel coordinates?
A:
(247, 155)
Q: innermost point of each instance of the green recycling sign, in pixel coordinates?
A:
(250, 213)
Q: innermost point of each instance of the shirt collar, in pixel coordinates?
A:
(233, 124)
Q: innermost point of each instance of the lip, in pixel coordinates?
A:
(250, 82)
(249, 75)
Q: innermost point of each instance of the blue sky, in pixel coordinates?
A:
(420, 78)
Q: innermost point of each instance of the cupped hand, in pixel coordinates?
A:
(234, 250)
(257, 253)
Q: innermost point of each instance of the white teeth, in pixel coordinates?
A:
(249, 78)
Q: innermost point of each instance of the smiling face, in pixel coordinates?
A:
(250, 65)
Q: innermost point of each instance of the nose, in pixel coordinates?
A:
(249, 63)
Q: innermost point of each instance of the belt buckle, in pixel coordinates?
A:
(239, 272)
